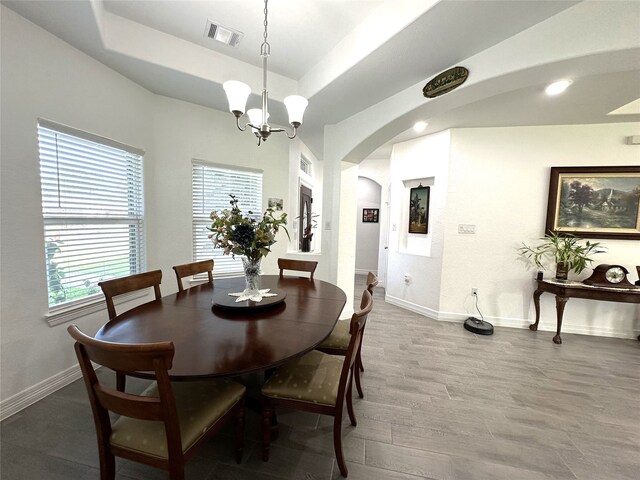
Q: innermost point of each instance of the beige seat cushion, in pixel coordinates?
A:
(199, 405)
(339, 337)
(312, 378)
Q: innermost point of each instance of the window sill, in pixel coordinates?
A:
(66, 314)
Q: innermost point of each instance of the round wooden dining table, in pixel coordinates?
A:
(214, 341)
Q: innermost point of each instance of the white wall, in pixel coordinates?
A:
(42, 76)
(419, 256)
(377, 169)
(347, 226)
(367, 233)
(498, 180)
(182, 132)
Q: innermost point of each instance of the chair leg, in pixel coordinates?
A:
(359, 359)
(121, 381)
(176, 470)
(356, 373)
(240, 433)
(107, 466)
(352, 415)
(267, 414)
(337, 445)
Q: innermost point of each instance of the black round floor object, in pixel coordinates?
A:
(478, 326)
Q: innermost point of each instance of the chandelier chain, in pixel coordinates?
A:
(265, 48)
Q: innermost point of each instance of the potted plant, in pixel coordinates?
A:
(307, 233)
(249, 235)
(567, 251)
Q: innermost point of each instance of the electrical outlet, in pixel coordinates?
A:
(474, 291)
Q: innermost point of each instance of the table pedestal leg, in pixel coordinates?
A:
(560, 303)
(536, 304)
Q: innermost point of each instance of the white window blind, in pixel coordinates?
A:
(211, 186)
(92, 204)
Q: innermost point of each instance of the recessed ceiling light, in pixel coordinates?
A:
(558, 87)
(420, 126)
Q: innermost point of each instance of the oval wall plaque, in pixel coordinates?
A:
(445, 82)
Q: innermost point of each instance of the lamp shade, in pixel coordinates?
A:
(237, 94)
(295, 107)
(255, 117)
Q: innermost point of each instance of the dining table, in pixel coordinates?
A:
(215, 336)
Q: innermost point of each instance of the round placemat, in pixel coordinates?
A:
(222, 299)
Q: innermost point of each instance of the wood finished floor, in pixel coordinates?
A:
(440, 403)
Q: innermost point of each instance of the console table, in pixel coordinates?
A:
(564, 290)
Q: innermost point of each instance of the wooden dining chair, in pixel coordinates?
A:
(316, 383)
(189, 269)
(164, 425)
(337, 342)
(297, 265)
(131, 283)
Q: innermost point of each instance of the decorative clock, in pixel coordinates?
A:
(609, 276)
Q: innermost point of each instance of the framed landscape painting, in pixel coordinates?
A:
(419, 210)
(595, 202)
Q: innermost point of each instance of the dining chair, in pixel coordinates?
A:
(318, 383)
(189, 269)
(164, 425)
(131, 283)
(337, 342)
(297, 265)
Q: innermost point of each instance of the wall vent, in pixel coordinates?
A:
(222, 34)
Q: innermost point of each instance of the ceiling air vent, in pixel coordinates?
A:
(225, 35)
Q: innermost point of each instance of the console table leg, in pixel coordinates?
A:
(560, 303)
(536, 304)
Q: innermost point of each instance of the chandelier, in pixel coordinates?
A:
(238, 92)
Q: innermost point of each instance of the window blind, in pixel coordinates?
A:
(211, 186)
(92, 204)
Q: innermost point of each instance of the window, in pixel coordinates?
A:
(92, 204)
(211, 186)
(305, 165)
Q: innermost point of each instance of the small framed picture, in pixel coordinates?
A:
(276, 204)
(419, 210)
(370, 215)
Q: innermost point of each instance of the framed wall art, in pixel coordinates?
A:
(370, 215)
(276, 203)
(419, 210)
(595, 202)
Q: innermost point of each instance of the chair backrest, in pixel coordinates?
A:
(189, 269)
(358, 322)
(127, 358)
(372, 281)
(118, 286)
(297, 265)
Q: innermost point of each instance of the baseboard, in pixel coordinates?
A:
(360, 271)
(512, 322)
(31, 395)
(413, 307)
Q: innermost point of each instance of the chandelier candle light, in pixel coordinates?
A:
(238, 92)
